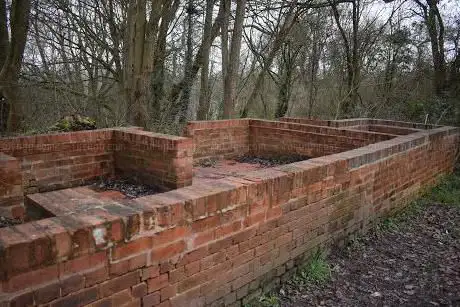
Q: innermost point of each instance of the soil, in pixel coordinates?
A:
(6, 222)
(126, 186)
(415, 263)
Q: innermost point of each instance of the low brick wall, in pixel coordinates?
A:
(216, 243)
(157, 159)
(230, 138)
(60, 160)
(55, 161)
(356, 122)
(274, 138)
(385, 129)
(11, 192)
(220, 138)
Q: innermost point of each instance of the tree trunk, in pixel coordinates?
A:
(11, 63)
(187, 89)
(435, 27)
(234, 61)
(138, 79)
(190, 75)
(351, 57)
(313, 70)
(203, 105)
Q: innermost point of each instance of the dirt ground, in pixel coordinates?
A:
(414, 262)
(126, 187)
(6, 222)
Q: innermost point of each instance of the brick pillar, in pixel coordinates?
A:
(11, 192)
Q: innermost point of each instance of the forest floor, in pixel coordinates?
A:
(412, 259)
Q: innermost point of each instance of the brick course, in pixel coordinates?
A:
(222, 242)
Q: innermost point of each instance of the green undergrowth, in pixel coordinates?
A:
(446, 192)
(317, 270)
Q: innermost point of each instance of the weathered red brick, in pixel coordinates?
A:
(150, 272)
(132, 248)
(77, 299)
(124, 266)
(157, 282)
(163, 253)
(82, 263)
(122, 297)
(96, 276)
(118, 284)
(168, 292)
(151, 300)
(47, 293)
(32, 278)
(139, 290)
(71, 284)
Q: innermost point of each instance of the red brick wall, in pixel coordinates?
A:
(162, 160)
(11, 193)
(31, 164)
(216, 243)
(274, 138)
(356, 122)
(385, 129)
(61, 160)
(229, 138)
(222, 138)
(322, 122)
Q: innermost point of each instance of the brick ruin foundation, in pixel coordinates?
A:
(216, 241)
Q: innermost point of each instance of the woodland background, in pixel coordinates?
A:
(159, 63)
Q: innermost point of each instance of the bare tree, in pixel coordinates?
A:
(203, 105)
(435, 26)
(230, 79)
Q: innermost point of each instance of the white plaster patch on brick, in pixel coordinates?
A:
(99, 235)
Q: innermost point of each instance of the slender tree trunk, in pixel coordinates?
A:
(203, 105)
(138, 79)
(226, 6)
(187, 89)
(313, 69)
(11, 63)
(4, 41)
(435, 27)
(231, 79)
(352, 58)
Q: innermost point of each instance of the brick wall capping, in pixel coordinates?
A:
(359, 121)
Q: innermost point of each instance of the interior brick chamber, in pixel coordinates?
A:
(225, 241)
(35, 164)
(232, 138)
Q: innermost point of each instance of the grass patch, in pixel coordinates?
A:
(267, 300)
(316, 270)
(446, 192)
